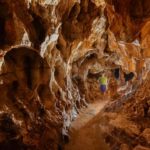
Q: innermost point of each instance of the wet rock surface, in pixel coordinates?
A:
(52, 53)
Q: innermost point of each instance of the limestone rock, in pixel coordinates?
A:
(52, 53)
(146, 135)
(141, 148)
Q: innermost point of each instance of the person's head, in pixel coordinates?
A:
(103, 74)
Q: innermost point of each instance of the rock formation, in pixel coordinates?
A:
(51, 55)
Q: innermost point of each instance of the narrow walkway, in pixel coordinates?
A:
(84, 134)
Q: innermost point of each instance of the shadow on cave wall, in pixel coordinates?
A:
(78, 24)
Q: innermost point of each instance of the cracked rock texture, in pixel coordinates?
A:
(51, 55)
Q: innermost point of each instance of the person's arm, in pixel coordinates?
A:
(107, 83)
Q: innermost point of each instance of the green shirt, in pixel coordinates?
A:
(103, 80)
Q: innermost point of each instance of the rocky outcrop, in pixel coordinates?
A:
(126, 125)
(52, 53)
(46, 53)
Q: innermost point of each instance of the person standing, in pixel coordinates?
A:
(103, 83)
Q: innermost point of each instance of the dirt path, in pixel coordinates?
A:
(84, 134)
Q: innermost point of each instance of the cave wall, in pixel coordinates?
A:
(52, 52)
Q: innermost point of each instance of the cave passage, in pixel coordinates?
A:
(74, 74)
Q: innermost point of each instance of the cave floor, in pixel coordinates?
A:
(84, 133)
